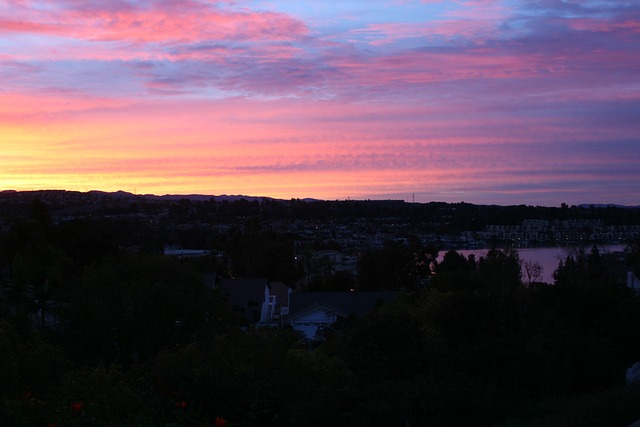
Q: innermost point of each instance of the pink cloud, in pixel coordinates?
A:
(604, 25)
(48, 106)
(17, 26)
(423, 67)
(166, 22)
(388, 33)
(473, 20)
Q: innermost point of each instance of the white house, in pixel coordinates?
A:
(314, 312)
(313, 320)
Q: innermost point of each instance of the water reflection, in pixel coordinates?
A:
(548, 258)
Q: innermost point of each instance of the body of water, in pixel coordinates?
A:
(548, 258)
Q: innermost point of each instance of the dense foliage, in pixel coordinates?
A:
(92, 334)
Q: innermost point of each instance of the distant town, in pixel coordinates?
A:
(351, 224)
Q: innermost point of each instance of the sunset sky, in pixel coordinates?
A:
(484, 101)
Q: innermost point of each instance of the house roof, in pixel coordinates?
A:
(341, 303)
(245, 295)
(318, 305)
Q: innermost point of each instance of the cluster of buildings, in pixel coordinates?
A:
(261, 303)
(543, 232)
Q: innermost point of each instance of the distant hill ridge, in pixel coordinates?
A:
(125, 195)
(192, 197)
(607, 205)
(205, 197)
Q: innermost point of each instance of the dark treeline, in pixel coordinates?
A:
(95, 333)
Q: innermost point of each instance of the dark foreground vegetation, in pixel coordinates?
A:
(93, 334)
